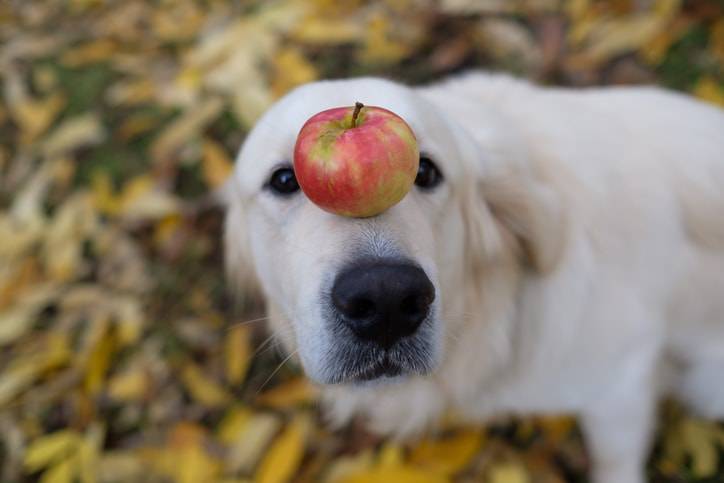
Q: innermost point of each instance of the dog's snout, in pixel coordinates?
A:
(383, 301)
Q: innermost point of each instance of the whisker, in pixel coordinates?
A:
(245, 322)
(286, 359)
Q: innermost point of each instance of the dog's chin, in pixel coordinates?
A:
(361, 365)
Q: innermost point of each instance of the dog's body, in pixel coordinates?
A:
(576, 247)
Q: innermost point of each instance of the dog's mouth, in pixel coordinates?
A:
(384, 367)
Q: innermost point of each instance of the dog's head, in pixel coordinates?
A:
(361, 299)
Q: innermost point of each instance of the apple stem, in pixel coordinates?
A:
(357, 108)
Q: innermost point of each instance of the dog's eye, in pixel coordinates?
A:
(283, 182)
(428, 176)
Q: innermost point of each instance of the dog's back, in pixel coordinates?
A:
(642, 173)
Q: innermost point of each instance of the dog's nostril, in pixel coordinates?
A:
(360, 308)
(413, 305)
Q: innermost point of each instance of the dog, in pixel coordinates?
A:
(562, 251)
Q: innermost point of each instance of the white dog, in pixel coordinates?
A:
(563, 251)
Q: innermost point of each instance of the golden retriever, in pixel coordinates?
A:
(563, 251)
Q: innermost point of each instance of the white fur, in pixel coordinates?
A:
(576, 246)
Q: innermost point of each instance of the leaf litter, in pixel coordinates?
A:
(121, 353)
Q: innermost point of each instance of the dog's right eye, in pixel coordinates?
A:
(283, 181)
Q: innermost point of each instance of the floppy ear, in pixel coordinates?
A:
(237, 251)
(511, 212)
(530, 216)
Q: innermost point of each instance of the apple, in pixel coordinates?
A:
(356, 161)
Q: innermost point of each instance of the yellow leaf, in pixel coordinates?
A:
(62, 472)
(186, 458)
(74, 133)
(103, 197)
(700, 440)
(450, 455)
(166, 229)
(283, 458)
(709, 90)
(98, 362)
(291, 69)
(35, 116)
(654, 51)
(129, 386)
(203, 389)
(390, 455)
(18, 377)
(89, 53)
(396, 474)
(237, 352)
(185, 128)
(216, 165)
(233, 424)
(48, 449)
(348, 466)
(508, 473)
(89, 454)
(129, 320)
(556, 429)
(289, 394)
(141, 199)
(379, 45)
(17, 320)
(132, 92)
(74, 221)
(250, 442)
(609, 38)
(716, 40)
(118, 466)
(327, 31)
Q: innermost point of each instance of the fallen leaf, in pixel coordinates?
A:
(380, 46)
(49, 449)
(17, 320)
(319, 30)
(129, 386)
(609, 38)
(398, 474)
(61, 472)
(249, 444)
(291, 69)
(216, 166)
(202, 388)
(33, 116)
(508, 473)
(281, 461)
(716, 40)
(699, 440)
(88, 455)
(233, 424)
(450, 455)
(289, 394)
(184, 129)
(89, 53)
(76, 132)
(708, 89)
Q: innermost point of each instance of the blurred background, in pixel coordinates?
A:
(122, 356)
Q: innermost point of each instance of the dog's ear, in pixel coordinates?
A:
(531, 218)
(510, 211)
(237, 251)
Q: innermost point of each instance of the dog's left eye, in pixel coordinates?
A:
(283, 181)
(428, 175)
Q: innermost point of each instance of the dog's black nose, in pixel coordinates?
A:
(383, 301)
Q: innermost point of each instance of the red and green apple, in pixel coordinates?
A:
(356, 161)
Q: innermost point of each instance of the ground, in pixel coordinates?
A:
(122, 356)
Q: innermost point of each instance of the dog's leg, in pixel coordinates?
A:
(618, 431)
